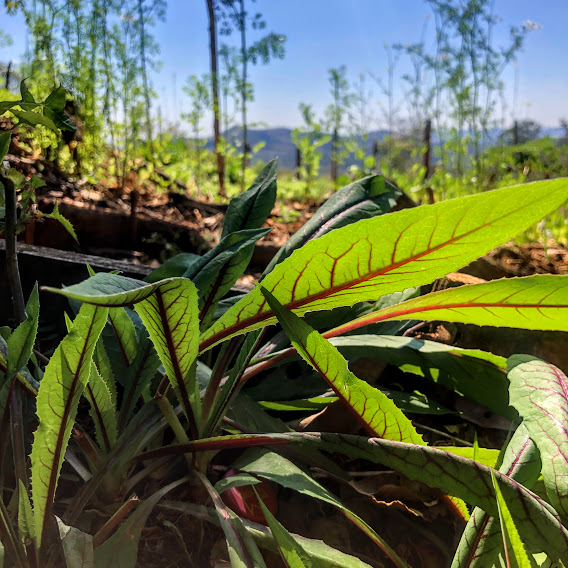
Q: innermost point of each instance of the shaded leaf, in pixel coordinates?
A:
(292, 553)
(172, 267)
(365, 198)
(121, 549)
(103, 409)
(481, 542)
(34, 119)
(55, 214)
(21, 341)
(5, 138)
(77, 546)
(538, 522)
(379, 256)
(250, 209)
(539, 391)
(56, 99)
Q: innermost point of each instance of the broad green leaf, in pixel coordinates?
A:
(474, 374)
(380, 416)
(539, 524)
(121, 549)
(365, 198)
(509, 530)
(77, 546)
(5, 138)
(112, 290)
(278, 469)
(292, 553)
(103, 410)
(65, 378)
(34, 119)
(60, 118)
(481, 541)
(21, 342)
(250, 209)
(539, 391)
(390, 253)
(239, 555)
(533, 302)
(168, 310)
(56, 99)
(171, 318)
(217, 271)
(323, 555)
(25, 93)
(172, 267)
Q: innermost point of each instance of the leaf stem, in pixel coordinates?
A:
(115, 520)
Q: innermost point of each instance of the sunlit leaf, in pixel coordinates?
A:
(380, 416)
(393, 252)
(65, 378)
(533, 302)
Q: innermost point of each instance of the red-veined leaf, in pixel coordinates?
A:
(378, 256)
(378, 413)
(539, 391)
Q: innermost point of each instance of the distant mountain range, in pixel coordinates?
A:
(278, 143)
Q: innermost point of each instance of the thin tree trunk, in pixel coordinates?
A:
(244, 92)
(149, 133)
(334, 145)
(426, 157)
(215, 93)
(8, 73)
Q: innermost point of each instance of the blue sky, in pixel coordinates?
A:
(329, 33)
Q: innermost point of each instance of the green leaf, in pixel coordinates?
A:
(66, 375)
(175, 266)
(379, 256)
(77, 546)
(250, 209)
(27, 97)
(121, 549)
(477, 375)
(380, 416)
(125, 336)
(216, 271)
(481, 542)
(104, 367)
(539, 524)
(171, 318)
(34, 119)
(362, 199)
(539, 391)
(26, 524)
(21, 342)
(55, 214)
(239, 554)
(324, 555)
(5, 139)
(111, 290)
(56, 99)
(509, 530)
(533, 302)
(103, 410)
(279, 469)
(291, 551)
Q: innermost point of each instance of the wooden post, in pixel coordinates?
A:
(426, 157)
(298, 163)
(8, 75)
(334, 144)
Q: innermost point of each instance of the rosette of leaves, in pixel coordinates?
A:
(175, 352)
